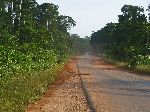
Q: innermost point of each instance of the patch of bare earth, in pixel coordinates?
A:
(65, 95)
(100, 63)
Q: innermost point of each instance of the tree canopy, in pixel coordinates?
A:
(33, 38)
(128, 40)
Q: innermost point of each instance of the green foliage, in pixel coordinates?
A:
(34, 42)
(128, 40)
(23, 89)
(132, 14)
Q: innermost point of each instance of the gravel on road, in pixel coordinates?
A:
(113, 89)
(65, 95)
(110, 89)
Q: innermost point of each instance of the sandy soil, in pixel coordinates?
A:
(65, 95)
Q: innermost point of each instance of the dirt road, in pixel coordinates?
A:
(65, 95)
(110, 90)
(114, 90)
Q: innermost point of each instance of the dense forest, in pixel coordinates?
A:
(128, 40)
(34, 43)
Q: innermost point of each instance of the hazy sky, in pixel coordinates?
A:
(92, 15)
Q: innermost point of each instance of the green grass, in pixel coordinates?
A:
(116, 62)
(143, 68)
(23, 89)
(139, 68)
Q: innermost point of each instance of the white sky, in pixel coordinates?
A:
(92, 15)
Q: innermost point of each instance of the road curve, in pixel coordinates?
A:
(112, 89)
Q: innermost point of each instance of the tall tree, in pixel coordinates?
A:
(65, 23)
(132, 14)
(127, 40)
(46, 15)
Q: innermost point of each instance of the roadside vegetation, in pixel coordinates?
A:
(34, 44)
(127, 41)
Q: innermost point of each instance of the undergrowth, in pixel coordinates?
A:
(124, 65)
(23, 89)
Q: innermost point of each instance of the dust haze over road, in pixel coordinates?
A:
(112, 89)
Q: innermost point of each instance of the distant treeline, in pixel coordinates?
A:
(128, 40)
(80, 46)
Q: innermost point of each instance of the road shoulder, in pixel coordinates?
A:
(65, 95)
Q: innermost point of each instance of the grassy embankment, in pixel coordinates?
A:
(23, 89)
(143, 69)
